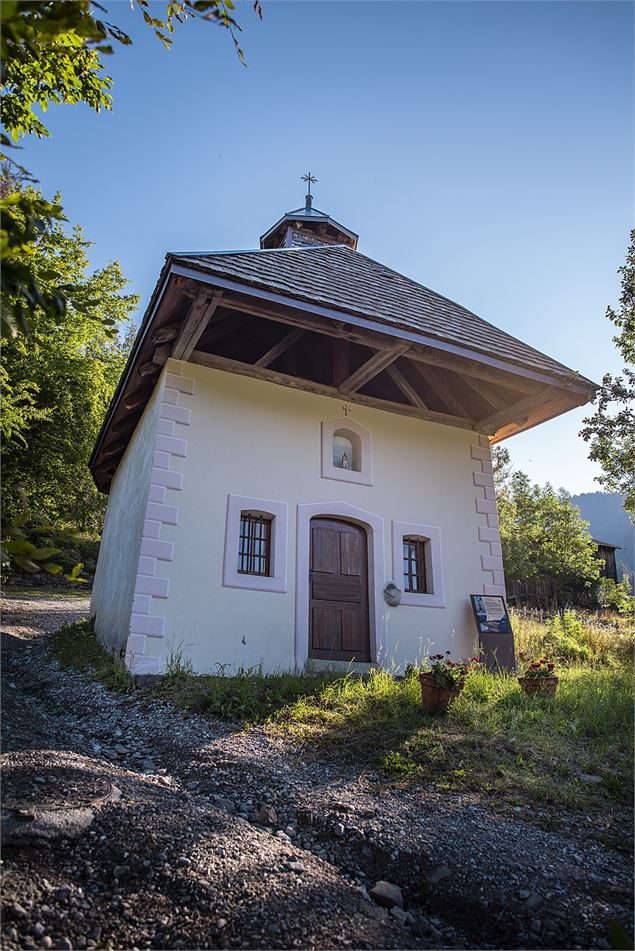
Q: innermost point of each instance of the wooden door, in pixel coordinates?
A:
(338, 588)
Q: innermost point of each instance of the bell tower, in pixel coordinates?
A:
(307, 226)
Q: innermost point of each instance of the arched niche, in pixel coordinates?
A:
(346, 451)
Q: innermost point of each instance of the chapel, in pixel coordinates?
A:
(297, 459)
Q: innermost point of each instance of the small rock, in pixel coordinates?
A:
(524, 894)
(121, 749)
(121, 871)
(290, 831)
(244, 807)
(221, 923)
(590, 778)
(339, 830)
(17, 911)
(193, 785)
(387, 894)
(226, 805)
(399, 915)
(282, 836)
(46, 942)
(267, 815)
(439, 873)
(372, 911)
(183, 862)
(295, 867)
(536, 925)
(534, 901)
(63, 944)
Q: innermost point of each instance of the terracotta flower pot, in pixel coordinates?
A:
(435, 699)
(543, 686)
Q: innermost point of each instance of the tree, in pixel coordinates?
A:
(60, 379)
(51, 53)
(544, 538)
(611, 429)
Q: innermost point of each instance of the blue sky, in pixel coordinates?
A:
(484, 149)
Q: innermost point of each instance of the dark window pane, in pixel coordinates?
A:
(254, 545)
(414, 565)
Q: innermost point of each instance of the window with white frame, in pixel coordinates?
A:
(346, 451)
(255, 553)
(417, 564)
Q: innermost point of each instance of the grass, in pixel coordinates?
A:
(55, 594)
(75, 645)
(494, 740)
(594, 638)
(248, 697)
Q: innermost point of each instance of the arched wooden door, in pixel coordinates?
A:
(338, 585)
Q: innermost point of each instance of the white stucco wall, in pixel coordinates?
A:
(256, 439)
(115, 577)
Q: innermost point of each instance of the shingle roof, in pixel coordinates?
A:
(340, 278)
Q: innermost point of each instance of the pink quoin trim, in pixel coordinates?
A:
(151, 590)
(488, 529)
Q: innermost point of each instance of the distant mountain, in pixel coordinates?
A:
(610, 523)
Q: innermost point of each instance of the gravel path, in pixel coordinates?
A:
(128, 824)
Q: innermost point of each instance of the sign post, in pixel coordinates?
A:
(495, 635)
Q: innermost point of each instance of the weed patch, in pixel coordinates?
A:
(248, 697)
(75, 645)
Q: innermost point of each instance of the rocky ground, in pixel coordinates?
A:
(128, 824)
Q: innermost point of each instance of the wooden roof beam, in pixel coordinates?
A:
(297, 383)
(487, 393)
(420, 353)
(516, 413)
(198, 317)
(408, 391)
(281, 347)
(433, 378)
(378, 362)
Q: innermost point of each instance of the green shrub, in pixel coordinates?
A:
(564, 638)
(617, 596)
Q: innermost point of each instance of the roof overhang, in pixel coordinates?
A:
(529, 396)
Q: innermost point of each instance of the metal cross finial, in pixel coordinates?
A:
(309, 179)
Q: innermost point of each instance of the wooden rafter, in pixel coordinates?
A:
(408, 391)
(421, 353)
(516, 413)
(378, 362)
(198, 317)
(447, 396)
(145, 369)
(487, 393)
(279, 348)
(161, 354)
(135, 399)
(285, 379)
(165, 334)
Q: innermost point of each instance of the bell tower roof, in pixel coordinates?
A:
(307, 226)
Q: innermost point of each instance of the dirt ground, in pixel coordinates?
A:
(128, 824)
